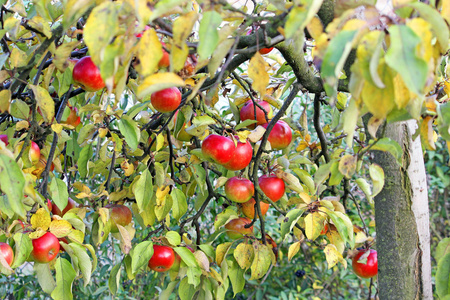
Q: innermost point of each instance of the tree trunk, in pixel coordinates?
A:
(402, 220)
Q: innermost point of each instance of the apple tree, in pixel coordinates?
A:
(195, 140)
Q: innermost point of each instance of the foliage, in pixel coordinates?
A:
(326, 74)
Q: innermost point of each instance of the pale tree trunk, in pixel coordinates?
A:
(402, 220)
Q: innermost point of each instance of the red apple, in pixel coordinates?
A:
(248, 208)
(4, 139)
(139, 35)
(87, 75)
(164, 62)
(162, 259)
(218, 148)
(272, 186)
(241, 157)
(119, 215)
(45, 248)
(7, 253)
(35, 152)
(281, 135)
(324, 230)
(70, 204)
(248, 112)
(263, 50)
(236, 228)
(367, 268)
(239, 189)
(166, 100)
(40, 166)
(72, 119)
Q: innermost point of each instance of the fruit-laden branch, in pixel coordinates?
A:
(257, 160)
(318, 128)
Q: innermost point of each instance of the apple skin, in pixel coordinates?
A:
(281, 135)
(73, 119)
(166, 100)
(119, 214)
(7, 253)
(239, 189)
(40, 166)
(218, 148)
(4, 139)
(272, 186)
(35, 152)
(164, 62)
(236, 228)
(241, 157)
(265, 50)
(368, 270)
(248, 112)
(45, 248)
(87, 75)
(163, 258)
(248, 208)
(70, 204)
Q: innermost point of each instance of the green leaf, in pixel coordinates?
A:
(300, 16)
(186, 291)
(193, 274)
(222, 251)
(334, 59)
(45, 277)
(23, 248)
(143, 191)
(262, 260)
(74, 9)
(236, 275)
(244, 255)
(85, 154)
(173, 238)
(84, 262)
(12, 183)
(179, 207)
(401, 56)
(65, 275)
(200, 176)
(365, 187)
(140, 255)
(165, 295)
(388, 145)
(377, 176)
(208, 35)
(443, 276)
(350, 118)
(114, 279)
(343, 225)
(44, 102)
(432, 16)
(130, 130)
(85, 132)
(442, 249)
(336, 175)
(187, 256)
(322, 173)
(290, 220)
(20, 109)
(224, 217)
(306, 178)
(60, 195)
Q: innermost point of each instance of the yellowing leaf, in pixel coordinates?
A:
(262, 260)
(314, 225)
(60, 228)
(45, 103)
(18, 58)
(41, 219)
(333, 256)
(57, 128)
(293, 249)
(221, 252)
(347, 165)
(149, 59)
(5, 99)
(315, 27)
(37, 234)
(427, 133)
(244, 255)
(373, 125)
(157, 82)
(257, 72)
(335, 238)
(22, 125)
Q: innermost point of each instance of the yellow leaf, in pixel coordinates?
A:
(161, 194)
(373, 125)
(333, 256)
(60, 228)
(317, 286)
(76, 236)
(257, 72)
(62, 55)
(182, 29)
(5, 99)
(37, 234)
(347, 165)
(45, 103)
(18, 58)
(244, 255)
(335, 238)
(261, 261)
(22, 125)
(41, 219)
(314, 225)
(221, 252)
(256, 134)
(445, 12)
(57, 128)
(149, 53)
(315, 27)
(293, 249)
(427, 132)
(128, 168)
(157, 82)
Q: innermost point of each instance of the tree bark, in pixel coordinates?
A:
(402, 220)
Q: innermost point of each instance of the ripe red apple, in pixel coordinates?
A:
(218, 148)
(324, 230)
(263, 50)
(163, 258)
(239, 189)
(4, 139)
(248, 112)
(166, 100)
(236, 228)
(87, 75)
(45, 248)
(368, 269)
(241, 157)
(164, 62)
(70, 204)
(281, 135)
(7, 253)
(248, 208)
(72, 119)
(272, 186)
(119, 214)
(35, 152)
